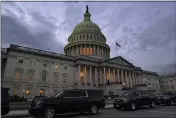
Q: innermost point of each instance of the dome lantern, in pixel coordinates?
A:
(87, 15)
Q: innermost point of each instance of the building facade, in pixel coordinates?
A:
(168, 83)
(86, 64)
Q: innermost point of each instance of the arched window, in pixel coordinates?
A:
(42, 92)
(19, 73)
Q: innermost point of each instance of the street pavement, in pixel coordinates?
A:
(145, 112)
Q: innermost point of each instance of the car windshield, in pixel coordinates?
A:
(125, 94)
(58, 94)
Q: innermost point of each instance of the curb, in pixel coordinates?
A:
(107, 108)
(15, 116)
(27, 115)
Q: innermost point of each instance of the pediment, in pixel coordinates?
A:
(120, 60)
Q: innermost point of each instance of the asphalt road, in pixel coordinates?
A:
(158, 112)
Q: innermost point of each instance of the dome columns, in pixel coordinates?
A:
(87, 49)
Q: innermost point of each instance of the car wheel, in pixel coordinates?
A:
(171, 102)
(152, 105)
(93, 109)
(49, 112)
(133, 106)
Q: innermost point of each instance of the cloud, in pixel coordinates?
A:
(145, 30)
(42, 37)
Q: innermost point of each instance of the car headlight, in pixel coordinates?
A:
(166, 97)
(39, 102)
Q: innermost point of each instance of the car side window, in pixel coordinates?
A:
(137, 93)
(143, 93)
(68, 94)
(79, 94)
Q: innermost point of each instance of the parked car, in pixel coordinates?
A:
(5, 101)
(38, 97)
(133, 99)
(16, 98)
(153, 94)
(76, 100)
(167, 98)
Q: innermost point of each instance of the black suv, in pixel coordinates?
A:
(68, 101)
(5, 101)
(167, 98)
(133, 99)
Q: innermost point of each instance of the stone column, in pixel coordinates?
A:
(78, 79)
(109, 75)
(96, 80)
(90, 49)
(126, 81)
(136, 79)
(100, 76)
(103, 52)
(86, 49)
(122, 78)
(117, 79)
(76, 49)
(81, 49)
(114, 75)
(94, 50)
(104, 83)
(85, 75)
(91, 76)
(98, 50)
(130, 78)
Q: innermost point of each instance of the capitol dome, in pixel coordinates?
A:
(87, 39)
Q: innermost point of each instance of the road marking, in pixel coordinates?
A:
(162, 112)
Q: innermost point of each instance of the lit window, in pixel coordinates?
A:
(15, 91)
(19, 73)
(27, 92)
(87, 50)
(91, 52)
(42, 92)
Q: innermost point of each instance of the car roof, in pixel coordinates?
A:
(84, 90)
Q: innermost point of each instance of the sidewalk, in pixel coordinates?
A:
(17, 113)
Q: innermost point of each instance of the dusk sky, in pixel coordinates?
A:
(146, 31)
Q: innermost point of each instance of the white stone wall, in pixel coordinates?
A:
(151, 81)
(168, 84)
(35, 83)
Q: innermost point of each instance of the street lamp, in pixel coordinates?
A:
(23, 93)
(149, 87)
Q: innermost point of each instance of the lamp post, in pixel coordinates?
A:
(123, 85)
(149, 87)
(23, 93)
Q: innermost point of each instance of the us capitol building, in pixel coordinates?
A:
(86, 63)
